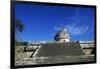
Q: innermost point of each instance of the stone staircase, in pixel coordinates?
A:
(59, 49)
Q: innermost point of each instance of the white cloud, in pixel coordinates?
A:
(76, 30)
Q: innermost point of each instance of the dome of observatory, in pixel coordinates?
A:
(62, 34)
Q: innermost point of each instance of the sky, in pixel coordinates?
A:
(42, 22)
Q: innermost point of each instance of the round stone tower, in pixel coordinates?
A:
(62, 36)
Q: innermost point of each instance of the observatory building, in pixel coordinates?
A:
(62, 36)
(62, 46)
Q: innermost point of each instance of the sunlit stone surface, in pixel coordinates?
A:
(62, 50)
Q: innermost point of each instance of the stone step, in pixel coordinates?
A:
(59, 49)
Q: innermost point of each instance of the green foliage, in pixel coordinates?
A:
(20, 43)
(19, 25)
(17, 43)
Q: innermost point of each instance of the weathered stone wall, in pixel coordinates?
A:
(59, 49)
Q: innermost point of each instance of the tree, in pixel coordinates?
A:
(19, 25)
(24, 43)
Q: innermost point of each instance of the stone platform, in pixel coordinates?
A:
(59, 49)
